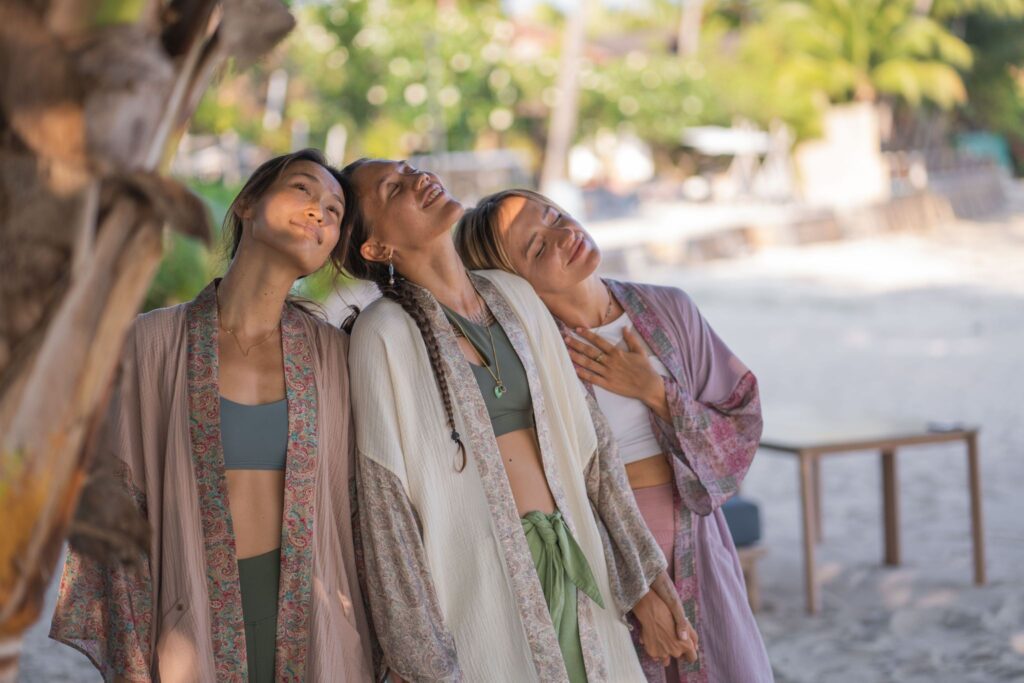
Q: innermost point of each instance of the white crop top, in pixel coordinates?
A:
(628, 418)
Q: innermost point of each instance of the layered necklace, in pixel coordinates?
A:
(487, 321)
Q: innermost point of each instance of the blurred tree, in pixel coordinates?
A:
(95, 94)
(859, 50)
(996, 84)
(565, 111)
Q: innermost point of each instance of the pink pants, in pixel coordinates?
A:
(657, 507)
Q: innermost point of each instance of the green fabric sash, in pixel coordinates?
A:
(562, 568)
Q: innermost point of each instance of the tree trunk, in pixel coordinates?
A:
(691, 15)
(93, 95)
(564, 115)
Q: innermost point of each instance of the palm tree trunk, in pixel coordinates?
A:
(691, 15)
(93, 96)
(564, 115)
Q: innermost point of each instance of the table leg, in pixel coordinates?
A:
(890, 507)
(819, 532)
(977, 535)
(807, 510)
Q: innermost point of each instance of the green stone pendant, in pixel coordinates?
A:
(499, 390)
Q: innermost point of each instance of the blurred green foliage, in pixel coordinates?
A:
(412, 76)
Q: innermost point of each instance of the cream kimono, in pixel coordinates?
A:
(452, 586)
(176, 616)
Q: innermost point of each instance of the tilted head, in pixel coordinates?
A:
(524, 232)
(292, 205)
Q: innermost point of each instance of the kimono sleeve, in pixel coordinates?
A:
(406, 613)
(633, 555)
(105, 609)
(716, 416)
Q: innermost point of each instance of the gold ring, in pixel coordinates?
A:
(599, 357)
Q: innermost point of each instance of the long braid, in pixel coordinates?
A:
(355, 231)
(403, 294)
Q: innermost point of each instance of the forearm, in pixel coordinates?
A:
(656, 400)
(714, 442)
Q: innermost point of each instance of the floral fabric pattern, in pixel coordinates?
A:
(713, 445)
(408, 620)
(227, 624)
(106, 613)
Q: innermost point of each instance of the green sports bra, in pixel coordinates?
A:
(513, 409)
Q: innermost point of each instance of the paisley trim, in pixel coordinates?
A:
(299, 510)
(227, 623)
(227, 626)
(480, 441)
(593, 657)
(651, 330)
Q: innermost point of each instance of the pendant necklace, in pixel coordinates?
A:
(499, 385)
(245, 351)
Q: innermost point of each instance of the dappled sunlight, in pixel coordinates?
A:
(942, 597)
(896, 589)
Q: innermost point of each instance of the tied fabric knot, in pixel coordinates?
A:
(557, 554)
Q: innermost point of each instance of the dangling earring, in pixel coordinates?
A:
(391, 271)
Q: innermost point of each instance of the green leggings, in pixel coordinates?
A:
(259, 577)
(562, 568)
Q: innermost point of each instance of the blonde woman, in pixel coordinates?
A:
(684, 410)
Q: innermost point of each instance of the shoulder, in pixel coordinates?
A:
(158, 329)
(508, 283)
(382, 321)
(667, 299)
(328, 337)
(516, 291)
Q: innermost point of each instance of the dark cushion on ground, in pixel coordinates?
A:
(744, 520)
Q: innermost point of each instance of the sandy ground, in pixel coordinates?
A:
(911, 326)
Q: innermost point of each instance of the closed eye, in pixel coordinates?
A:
(541, 250)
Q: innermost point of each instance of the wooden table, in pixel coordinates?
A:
(810, 439)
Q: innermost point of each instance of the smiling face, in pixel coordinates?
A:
(545, 245)
(405, 209)
(298, 217)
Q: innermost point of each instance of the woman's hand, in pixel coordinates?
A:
(626, 372)
(665, 632)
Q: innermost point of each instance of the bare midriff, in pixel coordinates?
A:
(256, 498)
(520, 453)
(653, 471)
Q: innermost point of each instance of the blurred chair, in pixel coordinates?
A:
(743, 517)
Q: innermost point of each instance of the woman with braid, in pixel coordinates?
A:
(684, 410)
(501, 541)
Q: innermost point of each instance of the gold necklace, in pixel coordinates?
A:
(499, 385)
(607, 311)
(245, 351)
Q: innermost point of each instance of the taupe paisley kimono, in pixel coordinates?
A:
(452, 587)
(177, 615)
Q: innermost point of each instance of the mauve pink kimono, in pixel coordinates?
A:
(714, 433)
(177, 616)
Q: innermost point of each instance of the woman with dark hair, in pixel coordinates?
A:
(230, 426)
(500, 538)
(683, 408)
